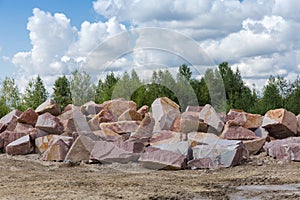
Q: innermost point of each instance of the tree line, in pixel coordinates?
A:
(183, 89)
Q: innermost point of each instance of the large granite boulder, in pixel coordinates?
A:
(81, 149)
(109, 152)
(164, 111)
(298, 126)
(145, 129)
(25, 128)
(7, 137)
(182, 147)
(212, 118)
(187, 122)
(43, 143)
(254, 146)
(9, 121)
(254, 121)
(91, 108)
(157, 159)
(231, 132)
(119, 127)
(49, 123)
(143, 110)
(130, 115)
(285, 149)
(109, 136)
(74, 121)
(236, 118)
(57, 151)
(118, 106)
(21, 146)
(48, 106)
(28, 117)
(165, 137)
(280, 123)
(218, 154)
(197, 138)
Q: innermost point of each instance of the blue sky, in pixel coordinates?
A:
(53, 37)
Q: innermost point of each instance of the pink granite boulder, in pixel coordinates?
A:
(28, 117)
(48, 106)
(49, 123)
(280, 123)
(21, 146)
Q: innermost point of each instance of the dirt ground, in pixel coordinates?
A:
(26, 177)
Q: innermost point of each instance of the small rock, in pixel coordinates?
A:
(254, 146)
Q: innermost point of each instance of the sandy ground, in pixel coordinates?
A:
(26, 177)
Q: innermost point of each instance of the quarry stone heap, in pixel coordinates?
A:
(159, 137)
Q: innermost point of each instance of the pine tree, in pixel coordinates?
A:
(10, 94)
(62, 92)
(81, 88)
(35, 93)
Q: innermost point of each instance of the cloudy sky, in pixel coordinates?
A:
(54, 37)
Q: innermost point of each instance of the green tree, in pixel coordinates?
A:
(271, 96)
(35, 93)
(10, 93)
(82, 90)
(292, 100)
(62, 92)
(105, 89)
(185, 71)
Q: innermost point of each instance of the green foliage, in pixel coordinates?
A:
(293, 98)
(62, 92)
(81, 88)
(10, 94)
(104, 89)
(35, 94)
(185, 71)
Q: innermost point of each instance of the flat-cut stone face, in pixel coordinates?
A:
(162, 159)
(221, 153)
(237, 133)
(28, 117)
(145, 128)
(285, 149)
(118, 106)
(119, 127)
(25, 128)
(164, 137)
(48, 106)
(9, 121)
(111, 136)
(193, 108)
(280, 123)
(182, 147)
(211, 117)
(81, 149)
(130, 115)
(43, 143)
(195, 138)
(254, 146)
(254, 121)
(49, 123)
(165, 111)
(21, 146)
(188, 122)
(57, 151)
(91, 108)
(236, 118)
(108, 152)
(8, 137)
